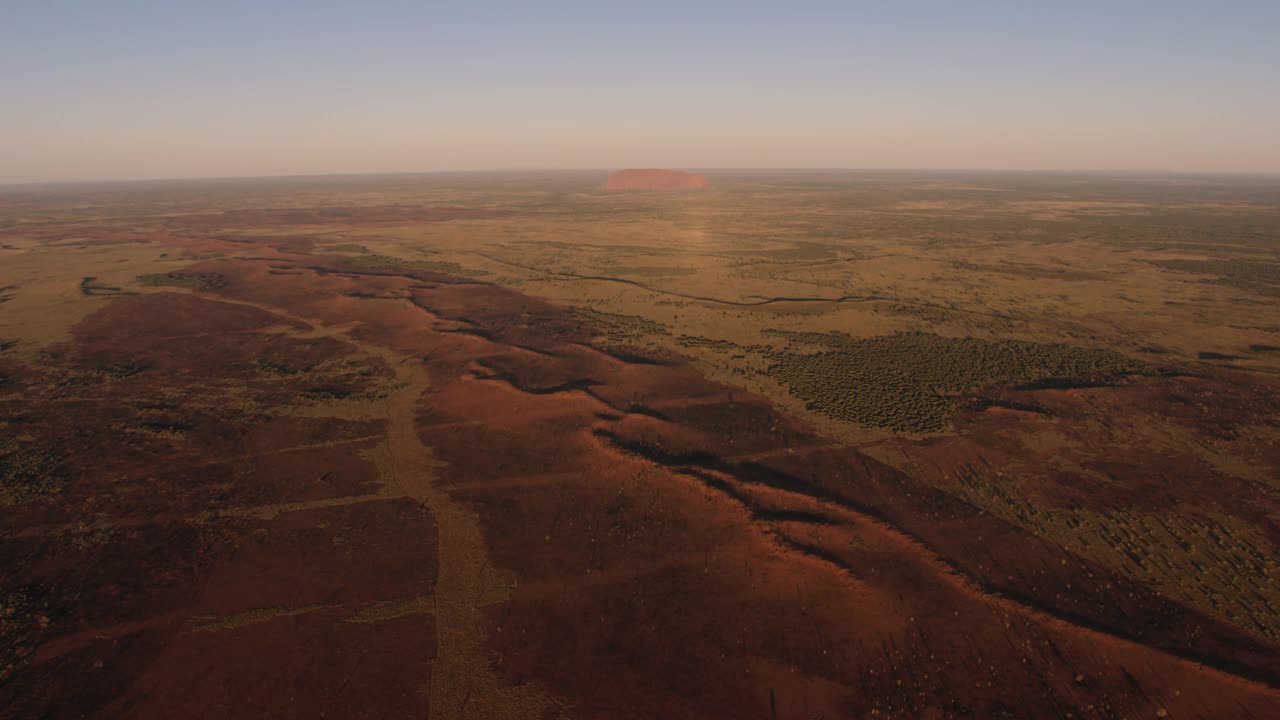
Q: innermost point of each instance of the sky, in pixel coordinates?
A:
(93, 90)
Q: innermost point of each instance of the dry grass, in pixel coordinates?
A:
(1221, 565)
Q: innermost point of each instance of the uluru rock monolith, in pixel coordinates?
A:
(655, 179)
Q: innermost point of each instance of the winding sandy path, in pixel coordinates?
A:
(463, 685)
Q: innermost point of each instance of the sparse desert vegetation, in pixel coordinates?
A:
(1223, 566)
(814, 443)
(1258, 276)
(28, 472)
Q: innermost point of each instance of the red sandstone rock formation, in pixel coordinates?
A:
(655, 179)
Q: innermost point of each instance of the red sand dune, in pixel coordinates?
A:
(655, 179)
(669, 547)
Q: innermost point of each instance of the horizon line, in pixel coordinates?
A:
(720, 169)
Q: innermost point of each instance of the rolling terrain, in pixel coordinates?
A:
(804, 445)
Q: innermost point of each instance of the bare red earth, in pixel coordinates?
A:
(205, 555)
(682, 549)
(655, 179)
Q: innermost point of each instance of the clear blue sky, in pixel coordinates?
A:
(129, 89)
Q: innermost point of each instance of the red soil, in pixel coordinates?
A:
(654, 179)
(681, 549)
(205, 556)
(381, 214)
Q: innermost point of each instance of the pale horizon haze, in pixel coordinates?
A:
(140, 90)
